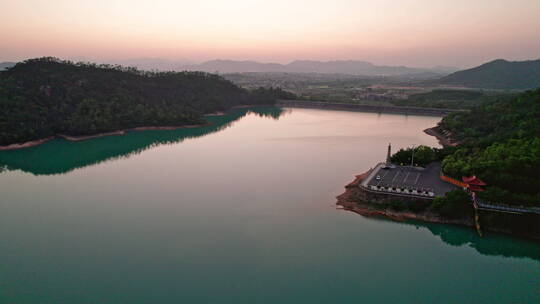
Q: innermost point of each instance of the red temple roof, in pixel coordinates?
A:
(473, 180)
(475, 188)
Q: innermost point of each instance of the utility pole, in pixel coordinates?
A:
(389, 155)
(412, 156)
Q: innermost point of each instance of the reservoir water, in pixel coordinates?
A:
(241, 211)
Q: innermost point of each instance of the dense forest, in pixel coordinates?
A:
(43, 97)
(499, 142)
(422, 156)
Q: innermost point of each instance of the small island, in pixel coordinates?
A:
(485, 176)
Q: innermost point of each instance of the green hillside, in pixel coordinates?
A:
(498, 74)
(451, 98)
(500, 143)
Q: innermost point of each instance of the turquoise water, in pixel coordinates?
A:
(242, 211)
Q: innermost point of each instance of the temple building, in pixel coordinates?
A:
(474, 184)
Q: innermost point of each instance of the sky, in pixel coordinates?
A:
(419, 33)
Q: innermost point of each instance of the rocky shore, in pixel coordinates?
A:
(27, 144)
(117, 132)
(80, 138)
(443, 136)
(38, 142)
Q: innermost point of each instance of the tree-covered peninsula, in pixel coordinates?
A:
(500, 143)
(43, 97)
(493, 150)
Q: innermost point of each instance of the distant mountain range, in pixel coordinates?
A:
(352, 67)
(498, 74)
(149, 64)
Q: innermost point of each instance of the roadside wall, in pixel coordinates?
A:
(454, 181)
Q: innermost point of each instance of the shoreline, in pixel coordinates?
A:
(445, 141)
(74, 138)
(26, 144)
(399, 216)
(81, 138)
(218, 113)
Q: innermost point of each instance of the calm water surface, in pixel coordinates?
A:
(242, 211)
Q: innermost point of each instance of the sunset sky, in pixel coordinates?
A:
(421, 33)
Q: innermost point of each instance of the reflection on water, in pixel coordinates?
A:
(61, 156)
(240, 216)
(491, 244)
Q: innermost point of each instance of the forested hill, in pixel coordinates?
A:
(509, 117)
(500, 143)
(498, 74)
(46, 96)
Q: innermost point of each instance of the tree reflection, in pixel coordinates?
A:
(61, 156)
(492, 244)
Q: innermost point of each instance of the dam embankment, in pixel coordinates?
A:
(365, 108)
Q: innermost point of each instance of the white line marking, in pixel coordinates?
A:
(405, 179)
(393, 179)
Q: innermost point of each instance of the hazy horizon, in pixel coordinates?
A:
(414, 33)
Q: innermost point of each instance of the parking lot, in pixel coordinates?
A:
(409, 180)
